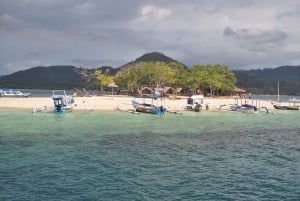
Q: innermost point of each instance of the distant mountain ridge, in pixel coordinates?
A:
(260, 81)
(265, 81)
(51, 77)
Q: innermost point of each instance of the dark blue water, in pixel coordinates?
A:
(121, 156)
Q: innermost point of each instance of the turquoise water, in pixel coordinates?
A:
(122, 156)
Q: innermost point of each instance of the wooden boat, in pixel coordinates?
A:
(148, 108)
(245, 108)
(293, 104)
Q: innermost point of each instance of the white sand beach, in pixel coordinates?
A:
(123, 102)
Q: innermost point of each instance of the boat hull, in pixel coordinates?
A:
(244, 108)
(284, 107)
(147, 108)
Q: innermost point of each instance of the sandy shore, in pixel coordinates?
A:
(122, 102)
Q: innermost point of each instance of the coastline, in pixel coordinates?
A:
(109, 103)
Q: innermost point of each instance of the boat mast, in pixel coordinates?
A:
(278, 96)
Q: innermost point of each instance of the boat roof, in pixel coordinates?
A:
(197, 97)
(59, 92)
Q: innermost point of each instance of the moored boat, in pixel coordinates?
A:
(62, 102)
(148, 108)
(195, 103)
(292, 104)
(244, 108)
(13, 93)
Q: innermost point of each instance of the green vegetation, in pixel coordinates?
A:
(160, 74)
(212, 77)
(103, 79)
(156, 69)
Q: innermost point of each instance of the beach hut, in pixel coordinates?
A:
(238, 90)
(147, 91)
(112, 86)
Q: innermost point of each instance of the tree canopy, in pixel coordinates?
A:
(159, 74)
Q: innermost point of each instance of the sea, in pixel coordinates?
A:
(111, 156)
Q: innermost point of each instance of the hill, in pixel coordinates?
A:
(260, 81)
(265, 81)
(52, 77)
(153, 56)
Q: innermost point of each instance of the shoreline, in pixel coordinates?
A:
(109, 103)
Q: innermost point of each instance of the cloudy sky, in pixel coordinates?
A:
(242, 34)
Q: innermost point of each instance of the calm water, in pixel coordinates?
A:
(122, 156)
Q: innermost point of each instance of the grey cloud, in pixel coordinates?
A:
(113, 32)
(255, 39)
(229, 32)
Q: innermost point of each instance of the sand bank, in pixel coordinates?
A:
(111, 103)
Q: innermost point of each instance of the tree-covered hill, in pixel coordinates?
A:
(260, 81)
(52, 77)
(265, 81)
(153, 56)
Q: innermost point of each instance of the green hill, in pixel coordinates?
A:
(260, 81)
(52, 77)
(265, 81)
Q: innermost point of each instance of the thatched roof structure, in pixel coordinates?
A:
(238, 90)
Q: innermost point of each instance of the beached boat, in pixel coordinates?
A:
(195, 103)
(148, 108)
(244, 108)
(292, 104)
(62, 102)
(13, 93)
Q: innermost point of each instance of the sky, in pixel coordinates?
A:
(251, 34)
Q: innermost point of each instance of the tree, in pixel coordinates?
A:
(151, 74)
(214, 77)
(181, 74)
(103, 79)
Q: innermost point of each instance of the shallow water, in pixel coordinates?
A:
(122, 156)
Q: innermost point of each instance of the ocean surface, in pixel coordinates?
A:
(123, 156)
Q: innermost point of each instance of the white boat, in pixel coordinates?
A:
(13, 93)
(62, 102)
(195, 103)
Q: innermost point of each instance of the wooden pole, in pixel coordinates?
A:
(278, 98)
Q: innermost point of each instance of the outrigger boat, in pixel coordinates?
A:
(293, 104)
(245, 108)
(148, 108)
(62, 103)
